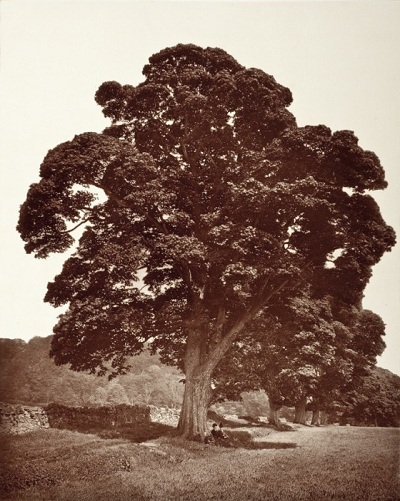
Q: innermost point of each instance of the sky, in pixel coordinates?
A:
(339, 59)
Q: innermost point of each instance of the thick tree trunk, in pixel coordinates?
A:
(201, 358)
(300, 410)
(273, 417)
(196, 400)
(197, 395)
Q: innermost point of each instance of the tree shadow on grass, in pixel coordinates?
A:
(135, 433)
(269, 445)
(143, 433)
(251, 444)
(243, 439)
(138, 433)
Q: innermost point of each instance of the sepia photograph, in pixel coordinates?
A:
(200, 267)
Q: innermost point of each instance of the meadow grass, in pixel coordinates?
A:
(314, 464)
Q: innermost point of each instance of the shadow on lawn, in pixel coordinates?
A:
(271, 445)
(243, 439)
(142, 433)
(135, 433)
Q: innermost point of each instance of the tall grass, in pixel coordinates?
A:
(318, 464)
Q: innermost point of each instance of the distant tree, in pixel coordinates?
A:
(29, 376)
(166, 388)
(143, 386)
(216, 198)
(116, 394)
(354, 360)
(320, 350)
(375, 402)
(99, 396)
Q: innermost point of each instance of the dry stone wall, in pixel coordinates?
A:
(164, 415)
(61, 416)
(17, 419)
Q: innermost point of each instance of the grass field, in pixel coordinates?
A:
(318, 464)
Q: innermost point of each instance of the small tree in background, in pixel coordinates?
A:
(116, 394)
(216, 198)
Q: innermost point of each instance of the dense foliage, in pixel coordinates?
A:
(217, 199)
(375, 402)
(319, 351)
(29, 376)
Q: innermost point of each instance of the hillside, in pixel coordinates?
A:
(29, 376)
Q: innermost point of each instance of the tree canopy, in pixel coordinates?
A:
(314, 351)
(375, 402)
(216, 198)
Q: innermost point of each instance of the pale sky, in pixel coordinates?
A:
(340, 60)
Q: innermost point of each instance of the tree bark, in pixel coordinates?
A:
(273, 417)
(196, 400)
(300, 410)
(197, 394)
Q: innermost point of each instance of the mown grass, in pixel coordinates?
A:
(318, 464)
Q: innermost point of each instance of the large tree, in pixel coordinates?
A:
(216, 197)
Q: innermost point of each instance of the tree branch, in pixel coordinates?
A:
(223, 344)
(221, 319)
(77, 226)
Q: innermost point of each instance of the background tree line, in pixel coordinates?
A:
(29, 376)
(313, 355)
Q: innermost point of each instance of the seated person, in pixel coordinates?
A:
(215, 431)
(220, 432)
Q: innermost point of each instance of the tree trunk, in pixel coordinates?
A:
(273, 417)
(200, 362)
(316, 417)
(197, 394)
(196, 400)
(300, 410)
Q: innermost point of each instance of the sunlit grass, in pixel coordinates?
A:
(354, 464)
